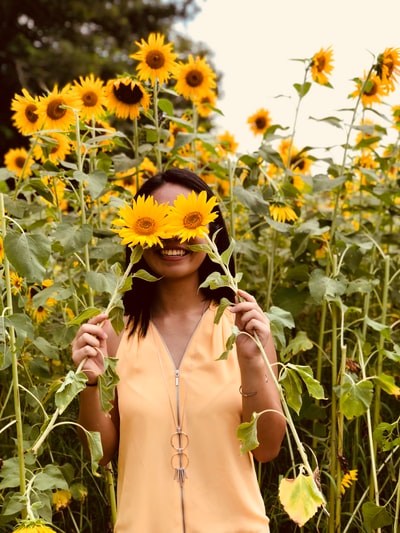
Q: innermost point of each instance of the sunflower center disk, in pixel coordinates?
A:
(192, 220)
(145, 226)
(90, 99)
(30, 113)
(194, 78)
(54, 109)
(155, 60)
(128, 94)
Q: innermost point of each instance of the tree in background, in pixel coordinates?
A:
(55, 41)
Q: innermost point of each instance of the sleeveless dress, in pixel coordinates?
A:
(180, 468)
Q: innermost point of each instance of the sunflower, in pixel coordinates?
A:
(125, 96)
(227, 142)
(56, 110)
(190, 215)
(370, 89)
(142, 223)
(61, 499)
(347, 480)
(90, 91)
(259, 122)
(35, 526)
(388, 67)
(19, 161)
(282, 213)
(25, 116)
(54, 147)
(1, 249)
(206, 104)
(157, 61)
(16, 282)
(195, 79)
(321, 66)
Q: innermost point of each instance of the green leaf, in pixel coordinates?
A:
(116, 316)
(377, 326)
(325, 288)
(375, 516)
(50, 478)
(72, 238)
(107, 383)
(322, 182)
(229, 343)
(223, 304)
(247, 434)
(28, 253)
(227, 254)
(95, 449)
(301, 343)
(314, 387)
(166, 106)
(355, 397)
(73, 384)
(88, 313)
(302, 89)
(387, 435)
(293, 388)
(388, 384)
(215, 280)
(143, 274)
(301, 498)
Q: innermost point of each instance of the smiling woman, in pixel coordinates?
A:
(177, 409)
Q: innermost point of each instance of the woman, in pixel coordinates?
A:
(177, 407)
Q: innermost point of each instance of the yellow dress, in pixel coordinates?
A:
(180, 469)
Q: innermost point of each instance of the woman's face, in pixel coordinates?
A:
(174, 260)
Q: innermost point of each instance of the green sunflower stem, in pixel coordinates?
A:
(14, 360)
(157, 126)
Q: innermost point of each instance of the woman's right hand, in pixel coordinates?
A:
(90, 346)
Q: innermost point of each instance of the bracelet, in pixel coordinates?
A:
(91, 384)
(247, 394)
(250, 394)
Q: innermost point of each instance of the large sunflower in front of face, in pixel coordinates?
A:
(25, 117)
(125, 96)
(190, 215)
(157, 61)
(195, 79)
(259, 122)
(143, 223)
(322, 66)
(57, 109)
(90, 91)
(18, 160)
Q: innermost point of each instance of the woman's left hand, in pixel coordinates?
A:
(251, 319)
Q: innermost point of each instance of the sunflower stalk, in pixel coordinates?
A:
(14, 360)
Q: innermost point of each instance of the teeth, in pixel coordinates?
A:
(171, 252)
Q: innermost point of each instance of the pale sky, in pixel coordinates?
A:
(254, 42)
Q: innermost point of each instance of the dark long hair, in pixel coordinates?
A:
(139, 299)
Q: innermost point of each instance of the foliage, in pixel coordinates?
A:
(315, 239)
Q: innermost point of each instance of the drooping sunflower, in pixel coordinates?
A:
(259, 122)
(90, 91)
(53, 147)
(157, 61)
(35, 526)
(19, 161)
(371, 90)
(282, 213)
(125, 96)
(322, 66)
(56, 110)
(25, 117)
(61, 499)
(142, 223)
(195, 78)
(347, 480)
(191, 215)
(388, 67)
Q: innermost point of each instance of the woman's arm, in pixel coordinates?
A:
(95, 340)
(258, 389)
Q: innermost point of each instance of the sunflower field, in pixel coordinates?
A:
(315, 236)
